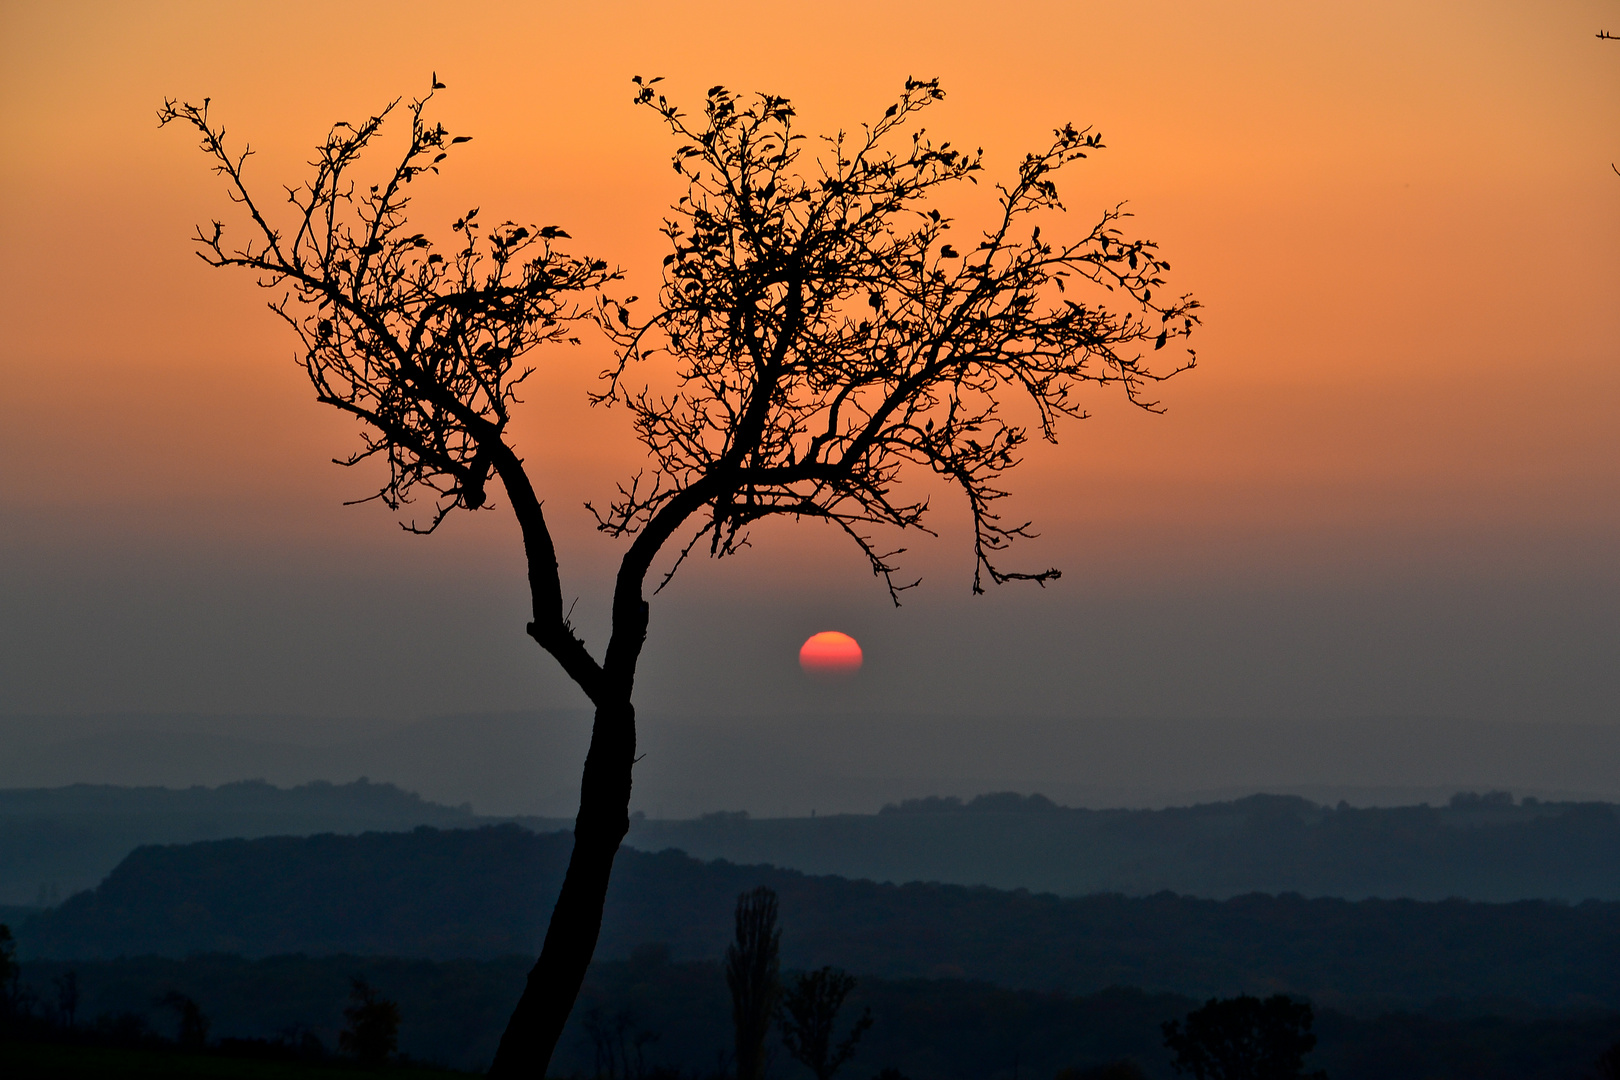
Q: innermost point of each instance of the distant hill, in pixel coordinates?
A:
(57, 841)
(1481, 847)
(504, 762)
(528, 762)
(487, 893)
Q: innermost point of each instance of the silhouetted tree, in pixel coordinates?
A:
(824, 336)
(10, 971)
(193, 1025)
(620, 1045)
(372, 1031)
(1244, 1038)
(67, 998)
(124, 1028)
(753, 975)
(1608, 1063)
(809, 1014)
(1604, 35)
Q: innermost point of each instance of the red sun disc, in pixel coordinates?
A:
(830, 653)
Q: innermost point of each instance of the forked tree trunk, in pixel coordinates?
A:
(604, 818)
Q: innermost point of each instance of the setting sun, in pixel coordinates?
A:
(830, 653)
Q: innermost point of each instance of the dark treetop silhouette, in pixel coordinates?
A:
(753, 975)
(823, 332)
(1244, 1038)
(810, 1010)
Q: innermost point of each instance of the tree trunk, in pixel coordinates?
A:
(554, 981)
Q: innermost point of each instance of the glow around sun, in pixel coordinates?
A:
(830, 653)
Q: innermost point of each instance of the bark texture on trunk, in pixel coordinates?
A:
(604, 818)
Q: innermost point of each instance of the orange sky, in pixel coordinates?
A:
(1400, 217)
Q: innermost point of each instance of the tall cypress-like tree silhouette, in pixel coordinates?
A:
(827, 332)
(753, 975)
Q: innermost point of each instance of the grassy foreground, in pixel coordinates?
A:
(57, 1061)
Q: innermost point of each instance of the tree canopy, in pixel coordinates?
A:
(826, 332)
(825, 329)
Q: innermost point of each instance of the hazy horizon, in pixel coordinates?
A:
(528, 763)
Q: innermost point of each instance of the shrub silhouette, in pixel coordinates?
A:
(809, 1013)
(193, 1030)
(372, 1031)
(619, 1045)
(1244, 1038)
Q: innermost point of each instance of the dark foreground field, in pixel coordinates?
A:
(963, 983)
(651, 1014)
(67, 1061)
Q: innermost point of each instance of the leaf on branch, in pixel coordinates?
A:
(759, 310)
(424, 359)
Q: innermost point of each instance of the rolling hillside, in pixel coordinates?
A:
(486, 892)
(57, 841)
(1481, 847)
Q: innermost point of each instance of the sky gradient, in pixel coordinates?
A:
(1389, 488)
